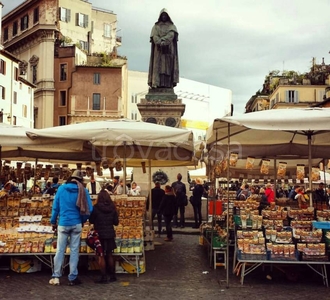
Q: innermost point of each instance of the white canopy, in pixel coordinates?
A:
(287, 135)
(129, 139)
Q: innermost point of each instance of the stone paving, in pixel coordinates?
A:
(175, 270)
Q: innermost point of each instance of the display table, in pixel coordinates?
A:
(253, 264)
(47, 258)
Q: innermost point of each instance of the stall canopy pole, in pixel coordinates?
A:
(150, 197)
(309, 136)
(214, 199)
(227, 219)
(124, 169)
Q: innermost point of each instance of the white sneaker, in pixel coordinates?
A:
(54, 281)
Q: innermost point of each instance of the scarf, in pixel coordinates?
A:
(82, 199)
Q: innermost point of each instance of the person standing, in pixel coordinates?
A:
(167, 208)
(198, 191)
(135, 189)
(105, 217)
(71, 208)
(121, 189)
(164, 62)
(269, 193)
(156, 197)
(93, 186)
(180, 192)
(115, 184)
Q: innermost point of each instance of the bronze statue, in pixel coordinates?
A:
(164, 63)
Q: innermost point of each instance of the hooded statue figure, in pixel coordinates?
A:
(164, 62)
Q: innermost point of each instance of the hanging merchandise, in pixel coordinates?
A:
(233, 159)
(315, 174)
(160, 176)
(300, 172)
(218, 169)
(264, 169)
(281, 171)
(224, 165)
(249, 163)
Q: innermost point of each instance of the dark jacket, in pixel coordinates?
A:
(168, 205)
(156, 194)
(180, 192)
(198, 193)
(104, 217)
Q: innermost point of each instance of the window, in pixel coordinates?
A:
(34, 74)
(36, 15)
(83, 45)
(82, 20)
(65, 14)
(96, 101)
(24, 22)
(2, 92)
(107, 30)
(16, 74)
(15, 98)
(62, 120)
(2, 67)
(321, 96)
(14, 120)
(15, 28)
(24, 111)
(63, 72)
(62, 98)
(5, 34)
(291, 96)
(97, 78)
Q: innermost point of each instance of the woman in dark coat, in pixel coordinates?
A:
(167, 208)
(104, 216)
(198, 191)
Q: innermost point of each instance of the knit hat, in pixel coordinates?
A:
(77, 174)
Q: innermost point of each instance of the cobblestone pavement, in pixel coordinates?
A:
(175, 270)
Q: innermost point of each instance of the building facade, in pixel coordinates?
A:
(34, 29)
(16, 93)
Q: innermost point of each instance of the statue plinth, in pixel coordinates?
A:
(162, 106)
(159, 94)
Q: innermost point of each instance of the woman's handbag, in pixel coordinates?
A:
(192, 200)
(93, 241)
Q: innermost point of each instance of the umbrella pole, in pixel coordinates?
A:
(227, 219)
(35, 177)
(310, 168)
(124, 169)
(150, 196)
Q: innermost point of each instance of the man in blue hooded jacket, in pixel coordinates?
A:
(71, 209)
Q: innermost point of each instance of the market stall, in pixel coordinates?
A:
(269, 138)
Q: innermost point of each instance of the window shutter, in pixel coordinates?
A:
(68, 15)
(286, 96)
(86, 21)
(296, 99)
(60, 13)
(77, 19)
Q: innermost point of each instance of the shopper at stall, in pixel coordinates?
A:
(157, 194)
(71, 208)
(93, 186)
(302, 203)
(105, 217)
(269, 192)
(10, 187)
(198, 191)
(115, 184)
(319, 196)
(263, 201)
(168, 208)
(180, 192)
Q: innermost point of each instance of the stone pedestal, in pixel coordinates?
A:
(162, 106)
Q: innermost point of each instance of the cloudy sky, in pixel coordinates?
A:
(232, 44)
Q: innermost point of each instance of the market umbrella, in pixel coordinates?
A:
(280, 134)
(133, 142)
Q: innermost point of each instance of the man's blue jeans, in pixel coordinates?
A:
(63, 235)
